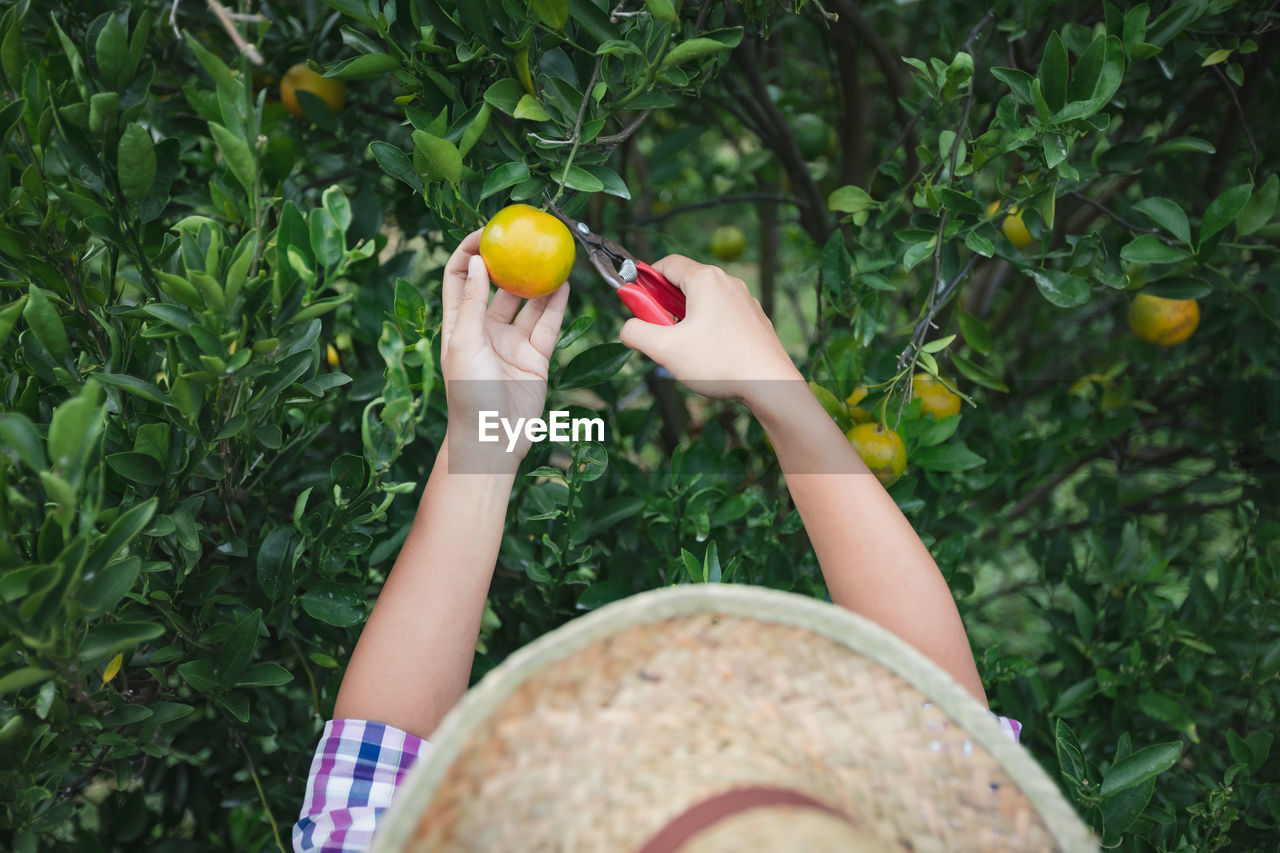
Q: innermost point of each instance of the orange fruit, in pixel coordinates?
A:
(528, 252)
(301, 78)
(1163, 322)
(859, 414)
(813, 135)
(881, 449)
(935, 398)
(1013, 226)
(728, 243)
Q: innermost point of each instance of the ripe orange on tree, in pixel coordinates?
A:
(1013, 226)
(859, 414)
(728, 243)
(527, 251)
(301, 78)
(935, 397)
(881, 449)
(1163, 322)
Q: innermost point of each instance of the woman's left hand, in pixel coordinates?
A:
(495, 352)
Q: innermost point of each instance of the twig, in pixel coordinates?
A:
(1244, 122)
(577, 129)
(919, 114)
(716, 202)
(615, 139)
(84, 777)
(224, 17)
(889, 64)
(262, 795)
(1097, 205)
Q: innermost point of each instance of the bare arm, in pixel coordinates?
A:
(413, 660)
(873, 561)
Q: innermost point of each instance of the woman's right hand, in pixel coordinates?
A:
(725, 347)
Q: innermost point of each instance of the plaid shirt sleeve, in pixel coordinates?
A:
(356, 770)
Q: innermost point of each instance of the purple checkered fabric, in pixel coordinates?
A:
(356, 770)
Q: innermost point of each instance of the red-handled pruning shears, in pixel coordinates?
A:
(644, 290)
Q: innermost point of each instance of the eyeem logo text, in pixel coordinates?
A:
(560, 428)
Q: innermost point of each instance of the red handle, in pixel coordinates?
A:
(642, 304)
(670, 297)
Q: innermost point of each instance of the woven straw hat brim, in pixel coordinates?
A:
(601, 734)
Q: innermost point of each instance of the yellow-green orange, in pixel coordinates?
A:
(728, 242)
(935, 398)
(528, 252)
(301, 78)
(881, 449)
(1163, 322)
(1013, 226)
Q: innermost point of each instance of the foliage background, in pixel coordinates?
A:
(219, 385)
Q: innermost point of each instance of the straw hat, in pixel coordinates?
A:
(724, 718)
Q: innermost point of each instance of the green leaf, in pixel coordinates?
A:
(126, 715)
(1053, 73)
(1256, 212)
(137, 468)
(1223, 210)
(12, 60)
(1110, 75)
(609, 180)
(663, 10)
(1168, 215)
(1060, 288)
(1181, 144)
(275, 563)
(102, 641)
(850, 199)
(694, 49)
(1218, 56)
(475, 129)
(1122, 809)
(334, 604)
(505, 176)
(200, 675)
(111, 49)
(265, 675)
(976, 373)
(102, 592)
(553, 13)
(594, 366)
(1018, 81)
(601, 593)
(237, 649)
(975, 333)
(123, 530)
(10, 115)
(580, 179)
(441, 157)
(22, 678)
(138, 387)
(45, 323)
(74, 427)
(364, 67)
(237, 154)
(1179, 287)
(504, 95)
(19, 435)
(530, 108)
(947, 457)
(395, 163)
(1147, 249)
(1142, 765)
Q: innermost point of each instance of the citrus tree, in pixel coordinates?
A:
(977, 229)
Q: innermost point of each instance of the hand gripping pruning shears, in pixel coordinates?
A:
(645, 291)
